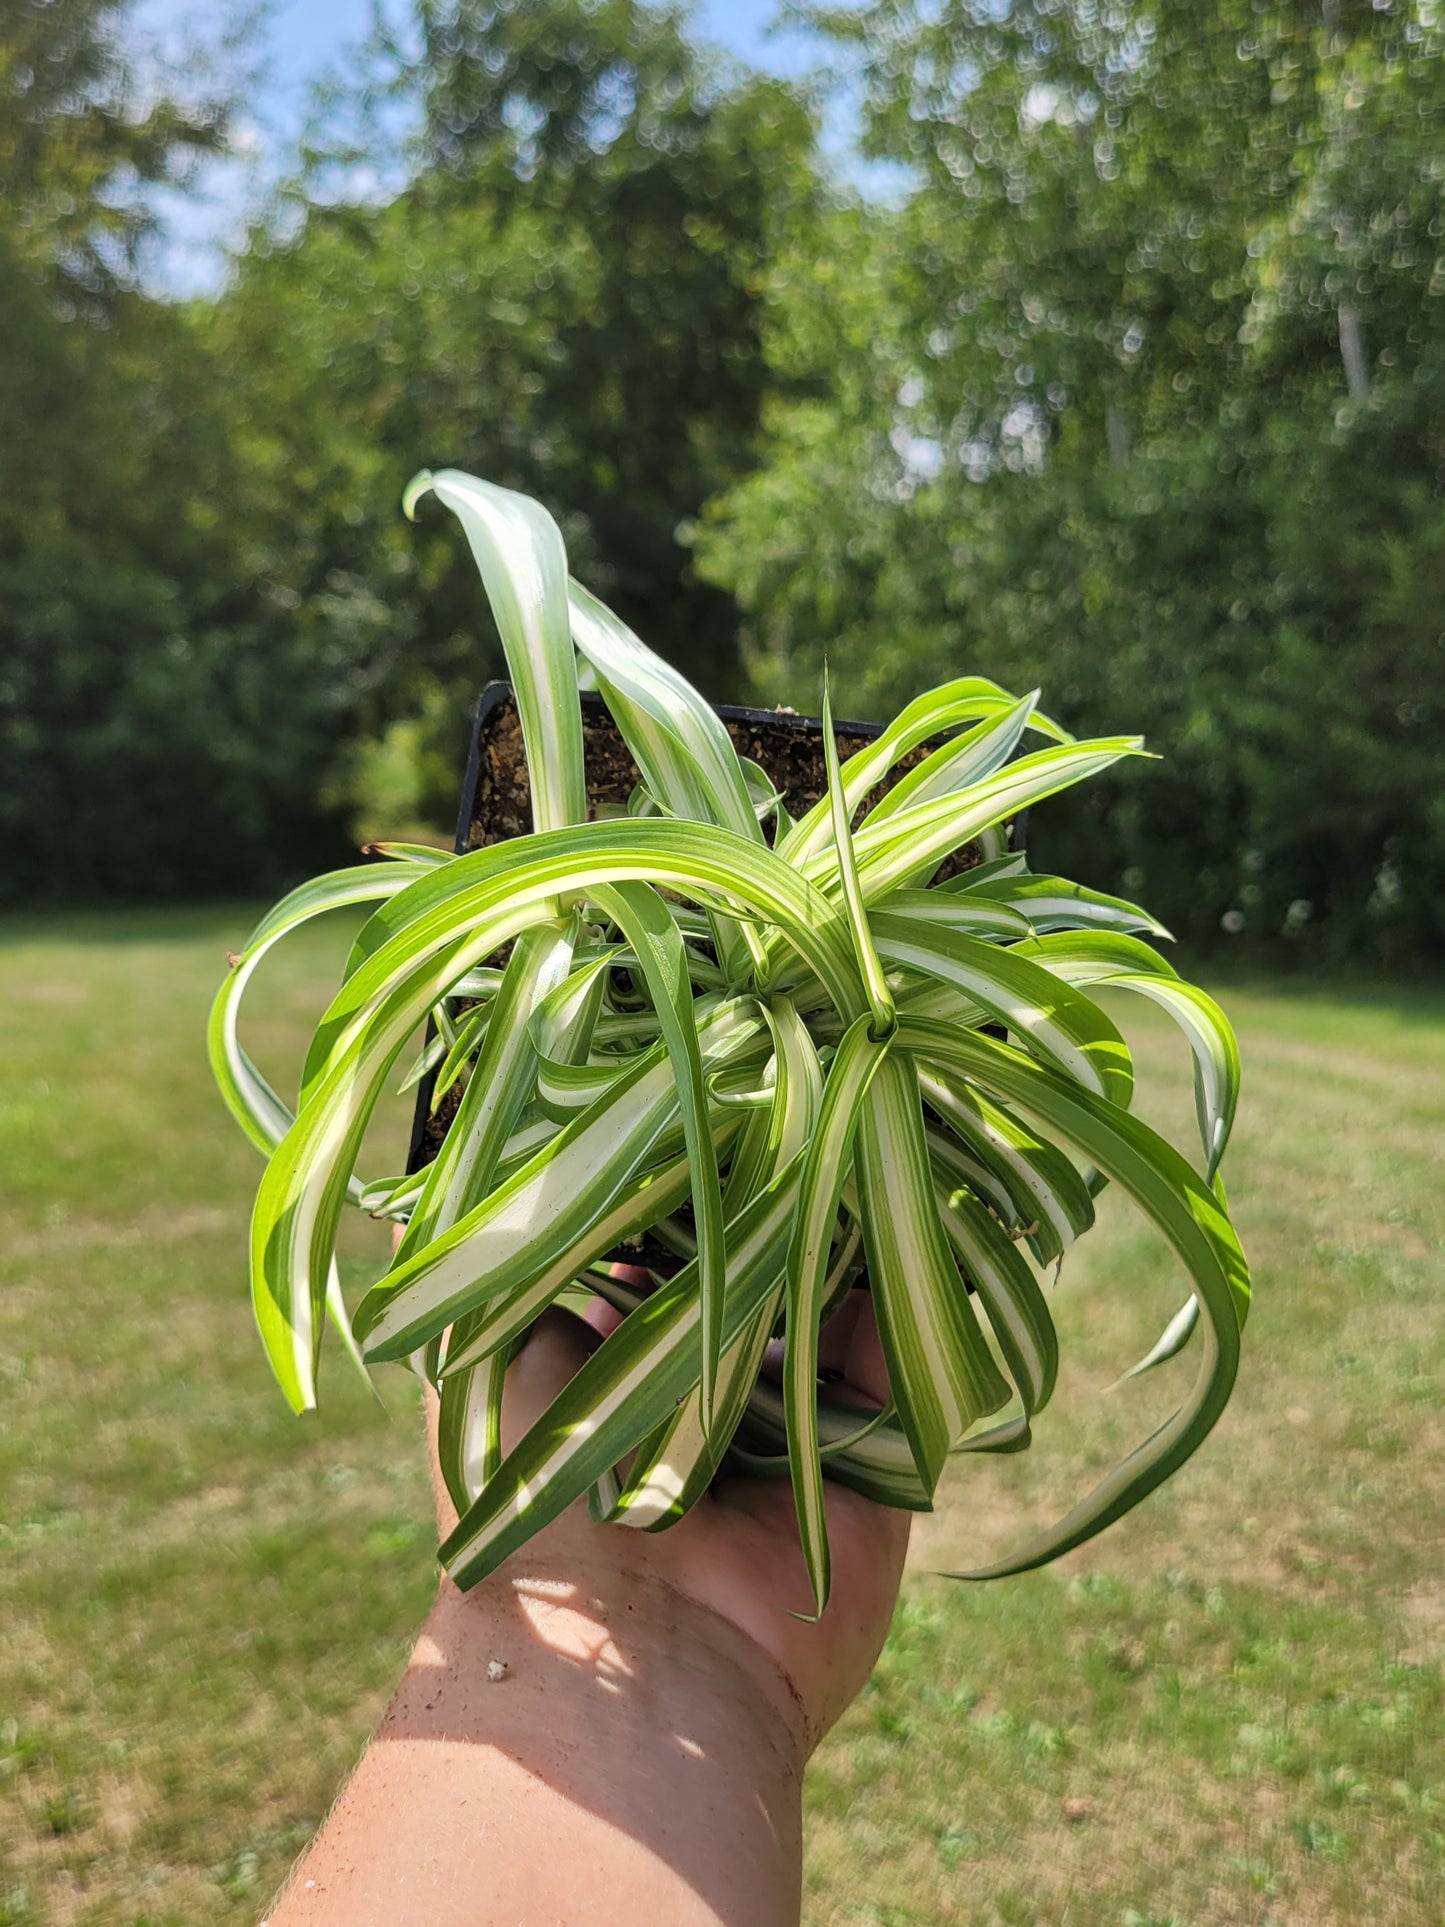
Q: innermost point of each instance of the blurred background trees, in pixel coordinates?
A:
(566, 294)
(157, 734)
(1123, 374)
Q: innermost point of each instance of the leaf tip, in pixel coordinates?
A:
(414, 491)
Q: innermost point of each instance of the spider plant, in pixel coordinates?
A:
(777, 1044)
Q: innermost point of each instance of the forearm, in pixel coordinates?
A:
(637, 1761)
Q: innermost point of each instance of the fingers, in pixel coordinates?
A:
(836, 1338)
(850, 1353)
(557, 1348)
(604, 1318)
(601, 1318)
(866, 1367)
(442, 1499)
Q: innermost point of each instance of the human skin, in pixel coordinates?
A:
(613, 1727)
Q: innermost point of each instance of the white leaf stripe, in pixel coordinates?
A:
(957, 765)
(680, 1461)
(1053, 903)
(463, 1169)
(643, 919)
(426, 1059)
(676, 1445)
(565, 1089)
(1000, 1274)
(336, 1311)
(870, 969)
(676, 1465)
(499, 1320)
(877, 1461)
(865, 1420)
(974, 916)
(1010, 863)
(1063, 1025)
(942, 1374)
(425, 853)
(536, 1218)
(706, 919)
(772, 1141)
(1043, 1185)
(1123, 963)
(1089, 956)
(1216, 1055)
(924, 997)
(564, 1020)
(751, 1161)
(707, 863)
(1170, 1342)
(621, 1393)
(261, 1114)
(468, 1041)
(955, 1166)
(1013, 1435)
(678, 741)
(928, 715)
(469, 1428)
(916, 840)
(825, 1167)
(680, 744)
(496, 893)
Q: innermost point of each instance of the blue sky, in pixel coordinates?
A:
(296, 42)
(304, 34)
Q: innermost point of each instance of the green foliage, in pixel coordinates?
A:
(84, 134)
(683, 1006)
(1140, 392)
(155, 733)
(563, 290)
(208, 608)
(1131, 385)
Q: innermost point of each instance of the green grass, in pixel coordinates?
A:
(1229, 1710)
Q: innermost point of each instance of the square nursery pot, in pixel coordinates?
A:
(496, 803)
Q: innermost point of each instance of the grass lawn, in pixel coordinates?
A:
(1228, 1710)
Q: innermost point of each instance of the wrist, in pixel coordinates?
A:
(567, 1749)
(591, 1638)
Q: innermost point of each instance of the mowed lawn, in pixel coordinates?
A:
(1228, 1710)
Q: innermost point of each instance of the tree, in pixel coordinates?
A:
(83, 139)
(1148, 410)
(139, 746)
(565, 292)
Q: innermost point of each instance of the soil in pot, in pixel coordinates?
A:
(786, 747)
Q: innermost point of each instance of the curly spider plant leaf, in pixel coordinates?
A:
(801, 1065)
(1176, 1201)
(825, 1168)
(518, 549)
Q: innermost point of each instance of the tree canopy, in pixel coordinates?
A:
(1138, 394)
(1131, 384)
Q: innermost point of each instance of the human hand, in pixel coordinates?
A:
(612, 1727)
(735, 1560)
